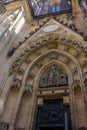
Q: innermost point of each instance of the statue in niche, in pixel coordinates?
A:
(53, 77)
(3, 126)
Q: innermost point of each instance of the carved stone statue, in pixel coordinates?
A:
(16, 83)
(3, 126)
(28, 88)
(53, 77)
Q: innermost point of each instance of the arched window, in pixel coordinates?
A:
(46, 7)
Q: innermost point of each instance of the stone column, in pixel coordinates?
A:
(15, 112)
(75, 6)
(5, 92)
(73, 109)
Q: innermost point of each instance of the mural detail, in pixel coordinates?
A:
(83, 4)
(44, 7)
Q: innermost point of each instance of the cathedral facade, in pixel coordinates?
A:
(43, 65)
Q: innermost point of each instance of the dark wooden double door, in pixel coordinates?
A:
(53, 116)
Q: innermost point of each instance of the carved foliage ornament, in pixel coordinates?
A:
(53, 77)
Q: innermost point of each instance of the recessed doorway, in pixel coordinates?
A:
(53, 116)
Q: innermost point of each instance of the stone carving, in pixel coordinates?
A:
(74, 70)
(77, 54)
(16, 83)
(53, 77)
(85, 82)
(4, 126)
(85, 75)
(52, 45)
(39, 64)
(28, 88)
(28, 60)
(84, 63)
(67, 60)
(53, 56)
(76, 83)
(31, 75)
(69, 40)
(66, 48)
(21, 70)
(62, 38)
(77, 90)
(76, 86)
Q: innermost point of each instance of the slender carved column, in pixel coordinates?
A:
(5, 92)
(75, 112)
(75, 6)
(15, 112)
(73, 108)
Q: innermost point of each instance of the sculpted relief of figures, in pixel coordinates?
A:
(53, 77)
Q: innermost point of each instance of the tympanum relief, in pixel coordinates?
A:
(53, 77)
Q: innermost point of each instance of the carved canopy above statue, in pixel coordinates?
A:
(53, 77)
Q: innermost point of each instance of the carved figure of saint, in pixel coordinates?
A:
(44, 80)
(53, 75)
(64, 79)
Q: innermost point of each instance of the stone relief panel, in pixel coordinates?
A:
(53, 77)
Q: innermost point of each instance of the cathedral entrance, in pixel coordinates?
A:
(53, 116)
